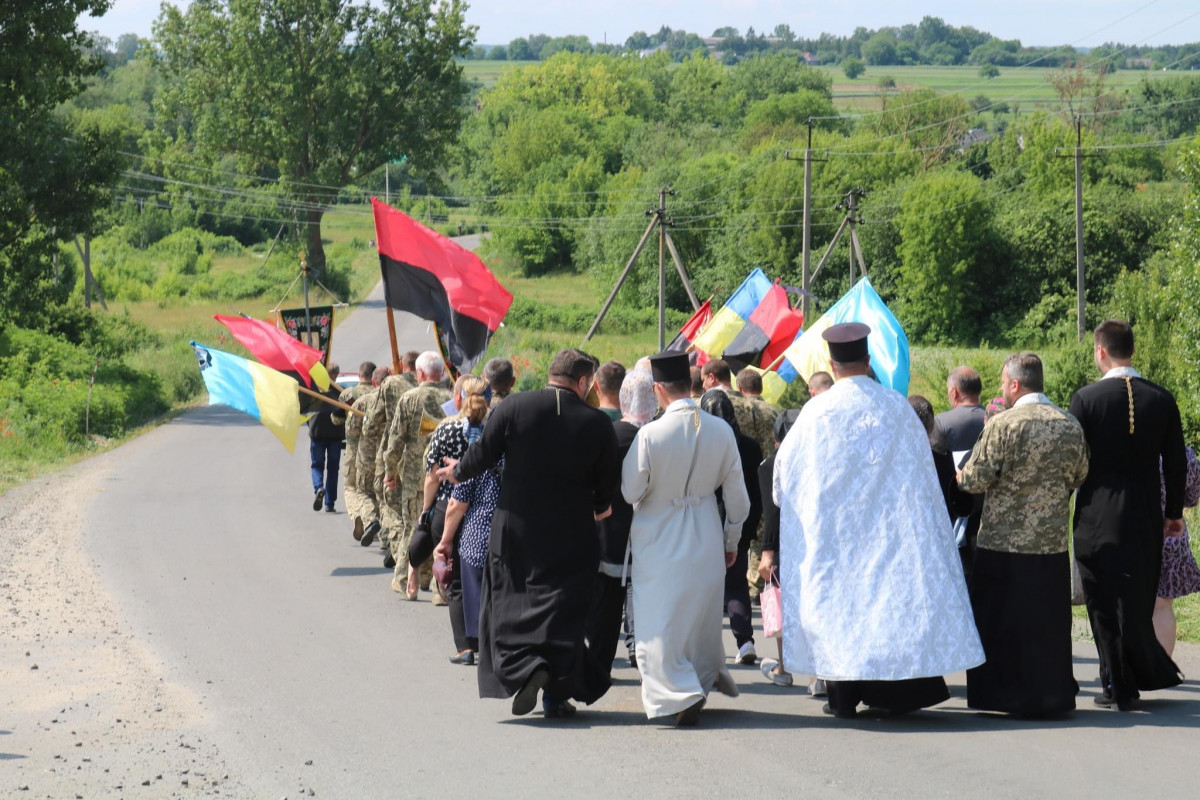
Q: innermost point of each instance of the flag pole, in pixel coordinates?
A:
(778, 360)
(330, 400)
(392, 337)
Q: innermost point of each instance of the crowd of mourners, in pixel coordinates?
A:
(889, 546)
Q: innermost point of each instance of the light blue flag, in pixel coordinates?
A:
(887, 344)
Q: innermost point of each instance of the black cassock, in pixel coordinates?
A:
(1119, 525)
(560, 468)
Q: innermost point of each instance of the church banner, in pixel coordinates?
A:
(319, 335)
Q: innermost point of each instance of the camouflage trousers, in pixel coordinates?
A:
(362, 502)
(350, 465)
(410, 508)
(754, 559)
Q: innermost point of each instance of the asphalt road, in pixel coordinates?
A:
(315, 677)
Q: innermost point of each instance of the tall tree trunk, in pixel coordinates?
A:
(316, 249)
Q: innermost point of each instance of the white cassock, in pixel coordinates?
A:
(871, 581)
(670, 477)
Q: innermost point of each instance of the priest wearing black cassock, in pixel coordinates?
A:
(1129, 423)
(560, 474)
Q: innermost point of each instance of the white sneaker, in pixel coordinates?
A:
(817, 688)
(746, 654)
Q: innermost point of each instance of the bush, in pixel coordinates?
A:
(853, 67)
(573, 318)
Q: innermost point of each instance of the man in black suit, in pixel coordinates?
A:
(1130, 423)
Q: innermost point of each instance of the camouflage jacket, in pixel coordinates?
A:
(354, 425)
(414, 420)
(1028, 460)
(373, 427)
(756, 418)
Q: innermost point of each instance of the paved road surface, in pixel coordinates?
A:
(289, 637)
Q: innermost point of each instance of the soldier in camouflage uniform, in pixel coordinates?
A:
(756, 417)
(1028, 460)
(390, 392)
(368, 450)
(414, 420)
(354, 498)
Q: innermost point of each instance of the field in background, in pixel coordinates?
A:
(1024, 88)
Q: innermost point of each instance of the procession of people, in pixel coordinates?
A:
(623, 506)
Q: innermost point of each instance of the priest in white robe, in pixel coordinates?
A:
(680, 547)
(874, 599)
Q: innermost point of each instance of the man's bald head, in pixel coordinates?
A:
(819, 382)
(963, 387)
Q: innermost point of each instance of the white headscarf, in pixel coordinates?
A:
(637, 397)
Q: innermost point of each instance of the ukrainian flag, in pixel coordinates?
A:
(727, 323)
(264, 393)
(887, 344)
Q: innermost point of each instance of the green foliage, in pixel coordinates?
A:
(361, 84)
(945, 231)
(576, 318)
(989, 71)
(853, 67)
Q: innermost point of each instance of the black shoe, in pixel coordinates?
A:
(1106, 700)
(466, 658)
(828, 709)
(318, 499)
(557, 710)
(369, 534)
(330, 510)
(690, 715)
(525, 700)
(358, 529)
(633, 659)
(388, 560)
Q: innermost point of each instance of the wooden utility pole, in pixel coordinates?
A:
(1080, 301)
(90, 284)
(1080, 280)
(663, 223)
(806, 234)
(850, 204)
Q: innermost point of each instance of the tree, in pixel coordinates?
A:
(498, 53)
(725, 32)
(853, 67)
(783, 32)
(880, 49)
(316, 92)
(945, 228)
(518, 50)
(54, 177)
(989, 71)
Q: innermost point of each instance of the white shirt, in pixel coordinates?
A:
(1122, 372)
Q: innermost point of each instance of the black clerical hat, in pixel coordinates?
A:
(847, 341)
(669, 366)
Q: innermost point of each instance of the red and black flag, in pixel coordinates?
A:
(683, 341)
(769, 330)
(432, 277)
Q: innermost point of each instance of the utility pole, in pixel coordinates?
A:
(662, 222)
(806, 235)
(850, 204)
(307, 313)
(387, 183)
(1080, 280)
(1080, 300)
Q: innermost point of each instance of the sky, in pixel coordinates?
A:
(1083, 23)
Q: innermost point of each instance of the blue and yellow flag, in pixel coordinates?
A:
(264, 393)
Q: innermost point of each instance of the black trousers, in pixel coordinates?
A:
(458, 625)
(604, 620)
(737, 596)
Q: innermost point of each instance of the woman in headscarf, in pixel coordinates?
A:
(737, 590)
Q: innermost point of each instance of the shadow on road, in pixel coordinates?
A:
(214, 415)
(354, 572)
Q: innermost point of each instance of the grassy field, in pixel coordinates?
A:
(1025, 89)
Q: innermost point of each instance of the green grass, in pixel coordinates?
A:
(488, 72)
(1024, 88)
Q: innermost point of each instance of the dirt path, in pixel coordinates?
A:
(86, 710)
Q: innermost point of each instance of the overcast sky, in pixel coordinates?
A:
(1084, 23)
